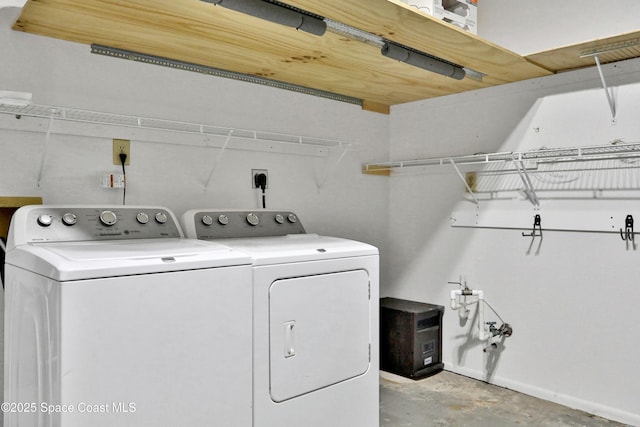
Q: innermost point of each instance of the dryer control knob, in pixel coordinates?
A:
(45, 220)
(142, 218)
(223, 219)
(161, 217)
(69, 218)
(108, 218)
(292, 218)
(279, 219)
(207, 220)
(253, 219)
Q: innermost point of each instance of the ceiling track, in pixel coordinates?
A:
(609, 48)
(197, 68)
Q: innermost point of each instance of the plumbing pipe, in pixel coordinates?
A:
(463, 311)
(483, 333)
(490, 347)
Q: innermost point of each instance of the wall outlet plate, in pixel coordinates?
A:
(255, 172)
(121, 146)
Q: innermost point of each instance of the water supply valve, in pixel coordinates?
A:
(505, 330)
(492, 328)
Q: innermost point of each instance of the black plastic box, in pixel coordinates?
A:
(410, 337)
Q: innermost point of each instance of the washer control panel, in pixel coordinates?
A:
(60, 224)
(208, 225)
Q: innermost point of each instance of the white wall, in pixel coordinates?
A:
(164, 172)
(572, 304)
(526, 27)
(574, 341)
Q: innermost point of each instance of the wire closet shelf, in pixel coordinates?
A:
(617, 151)
(101, 118)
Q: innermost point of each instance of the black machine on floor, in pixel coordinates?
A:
(410, 337)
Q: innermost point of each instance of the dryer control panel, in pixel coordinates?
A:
(214, 224)
(42, 223)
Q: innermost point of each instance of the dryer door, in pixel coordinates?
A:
(319, 332)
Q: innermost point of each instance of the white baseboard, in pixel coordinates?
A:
(570, 401)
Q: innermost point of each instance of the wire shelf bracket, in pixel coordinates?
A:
(609, 50)
(529, 191)
(330, 168)
(464, 181)
(217, 160)
(607, 91)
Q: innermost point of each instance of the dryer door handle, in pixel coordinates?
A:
(289, 339)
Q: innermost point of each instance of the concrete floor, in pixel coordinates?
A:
(448, 399)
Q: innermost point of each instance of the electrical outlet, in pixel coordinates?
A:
(121, 146)
(255, 172)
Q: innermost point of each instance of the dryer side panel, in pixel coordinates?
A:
(319, 328)
(32, 348)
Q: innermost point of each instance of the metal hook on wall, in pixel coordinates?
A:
(628, 235)
(537, 225)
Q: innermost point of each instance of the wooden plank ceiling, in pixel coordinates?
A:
(201, 33)
(198, 32)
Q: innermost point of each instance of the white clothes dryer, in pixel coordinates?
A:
(114, 319)
(315, 324)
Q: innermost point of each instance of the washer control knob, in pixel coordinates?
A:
(253, 219)
(108, 218)
(223, 219)
(207, 220)
(279, 219)
(292, 218)
(69, 218)
(45, 220)
(142, 218)
(161, 217)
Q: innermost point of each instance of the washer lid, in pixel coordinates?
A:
(298, 248)
(88, 260)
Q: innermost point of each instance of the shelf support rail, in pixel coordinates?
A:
(529, 191)
(464, 181)
(607, 91)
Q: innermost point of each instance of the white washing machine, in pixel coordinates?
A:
(114, 319)
(315, 324)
